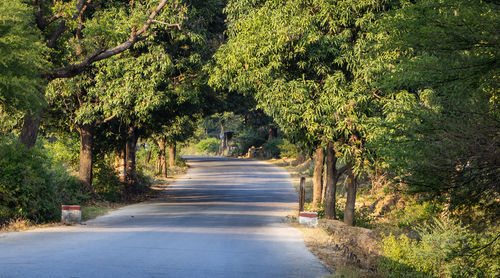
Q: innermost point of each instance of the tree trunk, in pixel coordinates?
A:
(351, 198)
(222, 136)
(273, 133)
(317, 176)
(85, 169)
(172, 152)
(29, 133)
(130, 150)
(148, 157)
(121, 164)
(163, 159)
(331, 182)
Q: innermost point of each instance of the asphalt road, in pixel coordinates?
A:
(224, 218)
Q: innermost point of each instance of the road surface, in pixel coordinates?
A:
(224, 218)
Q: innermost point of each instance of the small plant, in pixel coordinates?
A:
(444, 249)
(272, 147)
(208, 146)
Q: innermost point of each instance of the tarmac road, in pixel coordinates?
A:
(224, 218)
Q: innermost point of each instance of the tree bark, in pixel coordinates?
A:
(85, 169)
(331, 182)
(273, 133)
(317, 176)
(163, 162)
(130, 150)
(351, 198)
(148, 157)
(29, 132)
(121, 164)
(172, 152)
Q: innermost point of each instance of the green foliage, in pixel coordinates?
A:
(65, 150)
(248, 138)
(288, 149)
(300, 60)
(208, 146)
(438, 132)
(32, 185)
(23, 57)
(106, 182)
(444, 249)
(414, 212)
(272, 147)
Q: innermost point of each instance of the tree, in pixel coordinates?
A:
(88, 32)
(436, 66)
(23, 57)
(300, 60)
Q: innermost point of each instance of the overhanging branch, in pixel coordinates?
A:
(135, 36)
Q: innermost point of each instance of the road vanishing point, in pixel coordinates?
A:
(224, 218)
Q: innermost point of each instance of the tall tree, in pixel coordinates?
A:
(83, 32)
(436, 66)
(300, 59)
(23, 57)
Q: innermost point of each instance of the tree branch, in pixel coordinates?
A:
(343, 169)
(168, 24)
(75, 69)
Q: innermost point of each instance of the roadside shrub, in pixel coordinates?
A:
(180, 162)
(246, 139)
(32, 184)
(106, 182)
(65, 150)
(416, 213)
(209, 146)
(444, 249)
(288, 149)
(272, 147)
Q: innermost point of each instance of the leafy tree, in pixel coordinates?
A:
(82, 32)
(436, 65)
(23, 57)
(300, 59)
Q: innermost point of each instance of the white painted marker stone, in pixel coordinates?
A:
(308, 218)
(71, 214)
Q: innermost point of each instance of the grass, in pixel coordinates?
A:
(91, 212)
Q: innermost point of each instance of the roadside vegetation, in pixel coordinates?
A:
(390, 108)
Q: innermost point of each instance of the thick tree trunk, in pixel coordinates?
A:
(172, 152)
(29, 133)
(130, 150)
(163, 162)
(85, 169)
(351, 198)
(317, 176)
(331, 182)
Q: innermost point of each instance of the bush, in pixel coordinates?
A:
(208, 146)
(246, 139)
(106, 182)
(32, 185)
(416, 213)
(445, 249)
(288, 149)
(272, 147)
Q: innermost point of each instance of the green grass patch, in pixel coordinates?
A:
(91, 212)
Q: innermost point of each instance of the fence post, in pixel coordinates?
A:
(302, 193)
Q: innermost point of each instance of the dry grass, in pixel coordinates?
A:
(338, 257)
(19, 225)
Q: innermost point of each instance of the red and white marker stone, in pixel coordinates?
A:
(308, 218)
(71, 214)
